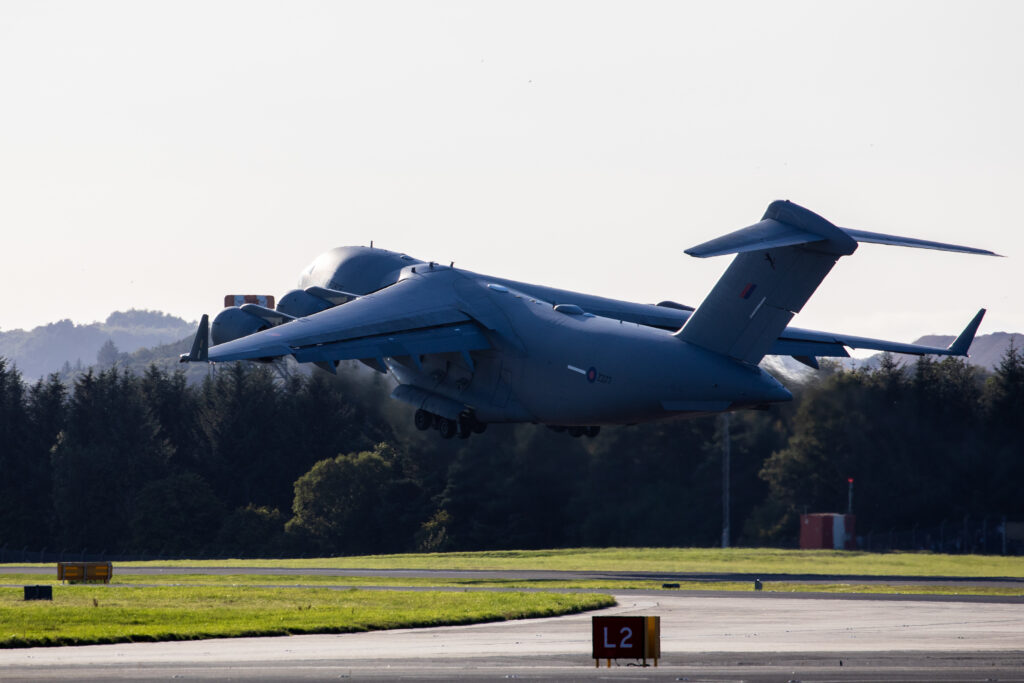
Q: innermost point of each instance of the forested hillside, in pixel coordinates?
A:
(249, 463)
(64, 346)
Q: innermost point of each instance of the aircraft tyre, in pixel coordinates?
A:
(423, 420)
(577, 431)
(479, 427)
(447, 428)
(593, 431)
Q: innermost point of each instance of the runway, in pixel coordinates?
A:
(752, 637)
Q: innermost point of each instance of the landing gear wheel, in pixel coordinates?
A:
(423, 420)
(447, 428)
(577, 431)
(479, 427)
(592, 431)
(465, 429)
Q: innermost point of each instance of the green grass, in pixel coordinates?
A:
(294, 581)
(81, 615)
(890, 589)
(140, 607)
(710, 560)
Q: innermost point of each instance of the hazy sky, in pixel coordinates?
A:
(162, 155)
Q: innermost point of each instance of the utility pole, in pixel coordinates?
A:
(725, 480)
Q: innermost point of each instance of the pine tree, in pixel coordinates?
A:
(16, 473)
(245, 441)
(1003, 400)
(110, 448)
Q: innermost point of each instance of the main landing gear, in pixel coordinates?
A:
(463, 427)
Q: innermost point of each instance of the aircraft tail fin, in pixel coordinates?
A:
(779, 263)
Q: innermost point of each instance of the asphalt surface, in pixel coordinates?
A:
(722, 636)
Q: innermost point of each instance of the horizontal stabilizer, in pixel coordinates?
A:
(786, 224)
(763, 235)
(893, 240)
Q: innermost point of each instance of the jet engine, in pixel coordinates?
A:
(234, 323)
(299, 303)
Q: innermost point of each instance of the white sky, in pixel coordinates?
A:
(162, 155)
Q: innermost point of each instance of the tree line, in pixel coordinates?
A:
(251, 463)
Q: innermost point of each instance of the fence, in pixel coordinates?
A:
(982, 536)
(970, 535)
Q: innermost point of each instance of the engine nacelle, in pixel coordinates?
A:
(299, 303)
(234, 323)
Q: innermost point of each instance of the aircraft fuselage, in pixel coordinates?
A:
(554, 363)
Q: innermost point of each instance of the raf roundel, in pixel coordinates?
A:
(592, 375)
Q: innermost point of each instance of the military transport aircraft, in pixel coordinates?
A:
(469, 349)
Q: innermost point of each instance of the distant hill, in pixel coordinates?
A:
(63, 345)
(143, 337)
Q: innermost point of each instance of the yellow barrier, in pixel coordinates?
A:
(78, 572)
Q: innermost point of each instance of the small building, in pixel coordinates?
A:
(828, 530)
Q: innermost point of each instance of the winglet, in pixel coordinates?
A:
(962, 343)
(200, 345)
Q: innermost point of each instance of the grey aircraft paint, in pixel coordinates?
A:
(468, 349)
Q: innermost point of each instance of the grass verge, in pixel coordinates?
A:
(700, 560)
(81, 615)
(300, 581)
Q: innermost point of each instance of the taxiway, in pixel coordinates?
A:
(756, 637)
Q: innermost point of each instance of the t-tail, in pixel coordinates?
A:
(779, 263)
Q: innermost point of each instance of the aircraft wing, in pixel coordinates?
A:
(809, 343)
(412, 317)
